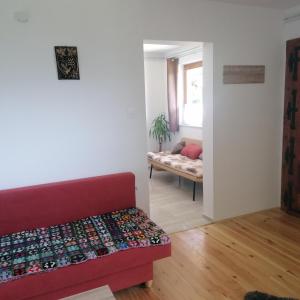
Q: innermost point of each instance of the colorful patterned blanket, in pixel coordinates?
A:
(45, 249)
(178, 161)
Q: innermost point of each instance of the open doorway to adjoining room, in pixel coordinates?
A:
(178, 89)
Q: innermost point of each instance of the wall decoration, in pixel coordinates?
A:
(67, 62)
(243, 74)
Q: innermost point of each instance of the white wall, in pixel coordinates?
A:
(188, 131)
(292, 30)
(155, 94)
(208, 131)
(292, 26)
(53, 130)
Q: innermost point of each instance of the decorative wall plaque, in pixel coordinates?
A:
(67, 62)
(243, 74)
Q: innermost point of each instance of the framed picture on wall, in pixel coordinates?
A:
(67, 63)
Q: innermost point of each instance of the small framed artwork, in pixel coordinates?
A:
(67, 62)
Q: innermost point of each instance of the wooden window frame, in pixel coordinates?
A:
(186, 67)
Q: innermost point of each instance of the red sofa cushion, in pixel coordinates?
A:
(61, 202)
(46, 249)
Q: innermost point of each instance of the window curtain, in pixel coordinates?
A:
(172, 70)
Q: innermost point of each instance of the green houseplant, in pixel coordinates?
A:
(160, 130)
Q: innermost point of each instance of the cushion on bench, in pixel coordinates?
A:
(48, 248)
(179, 162)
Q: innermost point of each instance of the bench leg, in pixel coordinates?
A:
(179, 180)
(194, 190)
(151, 167)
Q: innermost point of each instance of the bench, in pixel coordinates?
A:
(178, 164)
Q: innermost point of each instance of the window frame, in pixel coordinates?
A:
(186, 68)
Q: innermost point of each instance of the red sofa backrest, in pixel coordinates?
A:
(61, 202)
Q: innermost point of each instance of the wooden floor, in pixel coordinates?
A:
(225, 260)
(171, 204)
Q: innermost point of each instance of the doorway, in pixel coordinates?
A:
(171, 195)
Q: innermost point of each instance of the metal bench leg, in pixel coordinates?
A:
(151, 171)
(194, 190)
(179, 180)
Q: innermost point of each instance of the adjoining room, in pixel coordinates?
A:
(174, 112)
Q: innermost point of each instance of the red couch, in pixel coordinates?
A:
(56, 203)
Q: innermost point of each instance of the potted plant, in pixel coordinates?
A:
(160, 130)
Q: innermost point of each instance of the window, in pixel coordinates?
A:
(192, 104)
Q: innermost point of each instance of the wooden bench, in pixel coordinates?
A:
(181, 173)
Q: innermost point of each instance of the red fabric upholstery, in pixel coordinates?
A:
(116, 281)
(55, 203)
(39, 285)
(61, 202)
(192, 151)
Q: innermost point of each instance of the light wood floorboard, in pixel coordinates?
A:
(171, 204)
(225, 260)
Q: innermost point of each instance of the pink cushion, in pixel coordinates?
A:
(192, 151)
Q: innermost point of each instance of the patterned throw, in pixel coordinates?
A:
(45, 249)
(178, 161)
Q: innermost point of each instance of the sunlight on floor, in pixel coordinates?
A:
(171, 203)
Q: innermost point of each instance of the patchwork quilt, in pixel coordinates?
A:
(178, 161)
(45, 249)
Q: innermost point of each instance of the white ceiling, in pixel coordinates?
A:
(280, 4)
(158, 48)
(166, 48)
